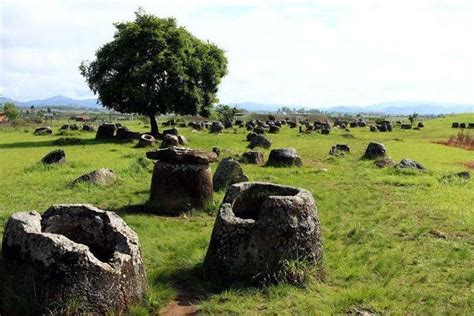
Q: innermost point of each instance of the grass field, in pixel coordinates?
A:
(380, 250)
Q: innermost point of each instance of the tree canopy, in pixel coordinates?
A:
(412, 118)
(10, 111)
(153, 66)
(226, 113)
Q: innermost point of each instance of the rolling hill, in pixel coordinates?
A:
(389, 108)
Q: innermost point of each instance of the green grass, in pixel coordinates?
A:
(379, 252)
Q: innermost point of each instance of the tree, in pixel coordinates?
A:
(152, 66)
(10, 111)
(226, 113)
(412, 118)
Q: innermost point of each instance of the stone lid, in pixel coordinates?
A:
(182, 155)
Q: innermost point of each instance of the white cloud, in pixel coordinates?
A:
(320, 53)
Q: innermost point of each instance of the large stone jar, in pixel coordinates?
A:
(284, 157)
(259, 226)
(106, 131)
(72, 255)
(182, 180)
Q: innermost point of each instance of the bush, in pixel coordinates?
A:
(67, 141)
(225, 113)
(69, 133)
(10, 111)
(462, 139)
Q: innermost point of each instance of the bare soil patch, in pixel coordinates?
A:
(461, 140)
(181, 305)
(469, 164)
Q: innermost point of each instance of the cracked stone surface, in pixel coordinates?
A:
(169, 140)
(375, 150)
(53, 157)
(228, 172)
(73, 252)
(252, 157)
(182, 180)
(146, 140)
(182, 155)
(284, 157)
(106, 131)
(102, 176)
(259, 226)
(260, 141)
(410, 164)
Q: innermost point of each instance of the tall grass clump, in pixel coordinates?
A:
(462, 139)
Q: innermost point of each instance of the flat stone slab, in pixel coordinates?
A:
(182, 155)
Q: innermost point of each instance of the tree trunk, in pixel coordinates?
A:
(154, 126)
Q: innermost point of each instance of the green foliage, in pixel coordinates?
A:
(295, 272)
(68, 141)
(412, 118)
(225, 113)
(69, 133)
(285, 109)
(140, 167)
(143, 119)
(153, 66)
(10, 111)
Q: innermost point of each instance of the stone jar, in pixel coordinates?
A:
(375, 150)
(284, 157)
(146, 140)
(181, 181)
(43, 131)
(258, 227)
(252, 157)
(106, 131)
(228, 172)
(72, 254)
(54, 157)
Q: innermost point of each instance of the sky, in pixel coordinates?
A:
(309, 53)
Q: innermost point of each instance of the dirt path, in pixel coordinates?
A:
(181, 305)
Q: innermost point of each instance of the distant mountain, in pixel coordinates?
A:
(347, 109)
(5, 100)
(390, 108)
(57, 100)
(408, 107)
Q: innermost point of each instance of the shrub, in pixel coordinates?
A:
(462, 139)
(67, 141)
